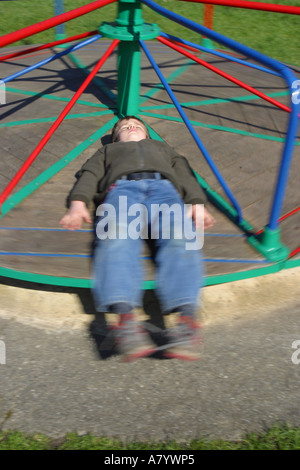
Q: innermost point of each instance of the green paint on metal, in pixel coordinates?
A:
(129, 57)
(268, 243)
(129, 25)
(14, 200)
(44, 279)
(59, 37)
(149, 31)
(208, 43)
(208, 280)
(154, 134)
(129, 28)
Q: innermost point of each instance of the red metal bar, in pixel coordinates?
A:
(293, 253)
(47, 46)
(189, 48)
(297, 250)
(55, 125)
(223, 74)
(252, 5)
(51, 22)
(289, 214)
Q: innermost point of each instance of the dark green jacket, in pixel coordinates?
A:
(113, 161)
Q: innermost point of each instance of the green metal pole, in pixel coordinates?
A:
(129, 28)
(129, 58)
(129, 19)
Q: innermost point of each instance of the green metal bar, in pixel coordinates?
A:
(129, 58)
(208, 280)
(129, 28)
(45, 279)
(129, 20)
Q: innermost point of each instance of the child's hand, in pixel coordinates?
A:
(201, 217)
(76, 214)
(209, 220)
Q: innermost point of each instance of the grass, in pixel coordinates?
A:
(276, 438)
(274, 34)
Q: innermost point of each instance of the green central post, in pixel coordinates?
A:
(129, 28)
(129, 78)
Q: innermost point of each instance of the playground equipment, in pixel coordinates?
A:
(129, 34)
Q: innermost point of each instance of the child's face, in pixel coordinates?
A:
(131, 130)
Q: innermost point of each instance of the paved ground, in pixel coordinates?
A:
(54, 381)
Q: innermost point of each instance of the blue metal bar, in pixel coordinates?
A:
(219, 54)
(231, 43)
(283, 71)
(287, 155)
(193, 132)
(73, 48)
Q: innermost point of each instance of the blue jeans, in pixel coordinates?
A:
(118, 267)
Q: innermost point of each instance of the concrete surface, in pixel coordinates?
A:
(53, 380)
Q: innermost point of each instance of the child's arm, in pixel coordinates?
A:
(76, 214)
(83, 191)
